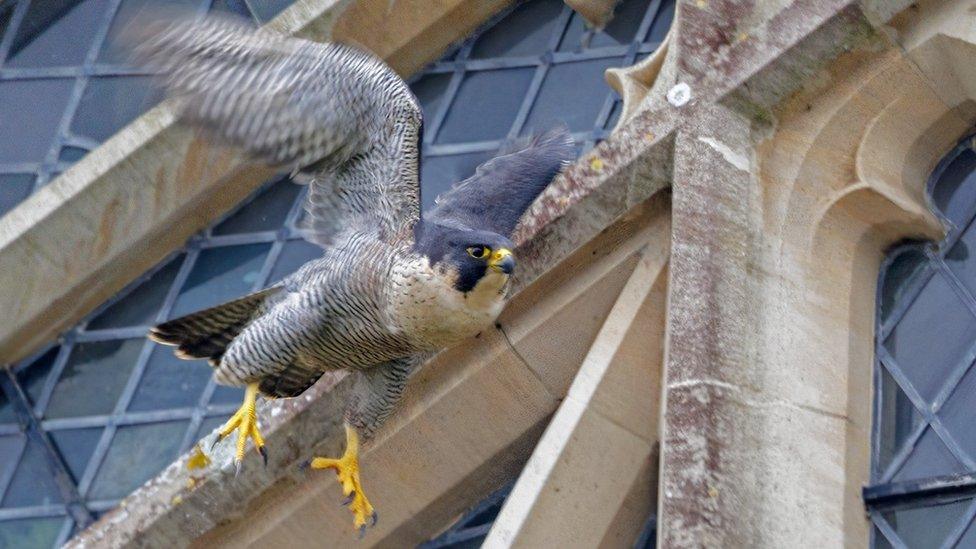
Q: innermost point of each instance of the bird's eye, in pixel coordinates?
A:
(479, 252)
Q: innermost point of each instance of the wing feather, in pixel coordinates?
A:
(338, 116)
(501, 189)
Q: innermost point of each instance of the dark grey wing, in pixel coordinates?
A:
(501, 189)
(326, 110)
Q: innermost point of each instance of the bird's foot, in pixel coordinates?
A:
(245, 422)
(347, 473)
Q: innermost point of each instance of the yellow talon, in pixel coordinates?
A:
(347, 473)
(245, 422)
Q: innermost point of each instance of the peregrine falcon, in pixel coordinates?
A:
(392, 286)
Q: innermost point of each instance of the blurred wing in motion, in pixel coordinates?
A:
(339, 117)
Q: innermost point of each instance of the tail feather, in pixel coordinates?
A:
(207, 333)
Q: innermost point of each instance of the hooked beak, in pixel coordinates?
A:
(502, 261)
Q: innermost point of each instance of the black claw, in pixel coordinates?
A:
(264, 455)
(362, 531)
(216, 440)
(349, 498)
(303, 466)
(238, 465)
(373, 519)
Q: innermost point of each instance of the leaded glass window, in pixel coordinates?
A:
(64, 83)
(91, 417)
(924, 458)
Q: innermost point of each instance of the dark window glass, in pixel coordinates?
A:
(14, 188)
(56, 33)
(169, 382)
(30, 533)
(11, 446)
(927, 526)
(526, 31)
(929, 458)
(111, 102)
(34, 378)
(33, 483)
(662, 23)
(72, 154)
(76, 447)
(138, 452)
(114, 50)
(481, 112)
(267, 212)
(954, 195)
(620, 31)
(99, 368)
(429, 90)
(899, 419)
(19, 110)
(900, 278)
(926, 324)
(140, 306)
(933, 336)
(572, 94)
(219, 275)
(6, 410)
(266, 10)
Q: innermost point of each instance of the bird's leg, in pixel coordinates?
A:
(245, 422)
(347, 473)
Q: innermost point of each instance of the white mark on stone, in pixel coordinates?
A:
(737, 159)
(743, 399)
(679, 94)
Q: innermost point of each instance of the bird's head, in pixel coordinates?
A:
(474, 255)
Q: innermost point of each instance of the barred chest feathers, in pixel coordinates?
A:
(433, 313)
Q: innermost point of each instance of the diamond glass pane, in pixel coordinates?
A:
(527, 30)
(903, 273)
(927, 526)
(35, 378)
(111, 102)
(929, 458)
(140, 306)
(932, 338)
(954, 193)
(76, 446)
(33, 483)
(68, 54)
(99, 369)
(30, 533)
(899, 419)
(138, 452)
(6, 410)
(480, 112)
(56, 33)
(169, 382)
(572, 94)
(267, 212)
(14, 188)
(18, 110)
(219, 275)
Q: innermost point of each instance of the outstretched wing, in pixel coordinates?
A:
(340, 117)
(501, 189)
